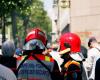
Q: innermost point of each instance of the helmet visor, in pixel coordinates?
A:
(33, 45)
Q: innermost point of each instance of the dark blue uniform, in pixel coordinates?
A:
(97, 70)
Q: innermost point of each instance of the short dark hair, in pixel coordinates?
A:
(91, 40)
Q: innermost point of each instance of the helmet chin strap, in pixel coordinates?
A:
(64, 51)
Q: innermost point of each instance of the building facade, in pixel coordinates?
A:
(61, 21)
(80, 16)
(85, 19)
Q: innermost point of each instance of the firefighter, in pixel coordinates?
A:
(34, 65)
(72, 67)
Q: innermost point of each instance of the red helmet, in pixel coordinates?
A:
(36, 34)
(70, 40)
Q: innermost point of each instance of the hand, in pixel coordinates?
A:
(47, 51)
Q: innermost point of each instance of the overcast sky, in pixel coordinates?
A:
(48, 8)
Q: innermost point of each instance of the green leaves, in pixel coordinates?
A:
(7, 6)
(29, 14)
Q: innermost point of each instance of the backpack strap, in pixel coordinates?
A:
(98, 49)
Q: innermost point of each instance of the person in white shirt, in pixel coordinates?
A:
(93, 56)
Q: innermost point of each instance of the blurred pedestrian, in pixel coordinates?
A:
(8, 48)
(6, 73)
(34, 65)
(7, 59)
(93, 56)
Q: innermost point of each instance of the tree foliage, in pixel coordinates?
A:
(6, 6)
(29, 13)
(37, 17)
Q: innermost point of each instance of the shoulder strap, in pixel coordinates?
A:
(36, 59)
(41, 63)
(70, 63)
(22, 62)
